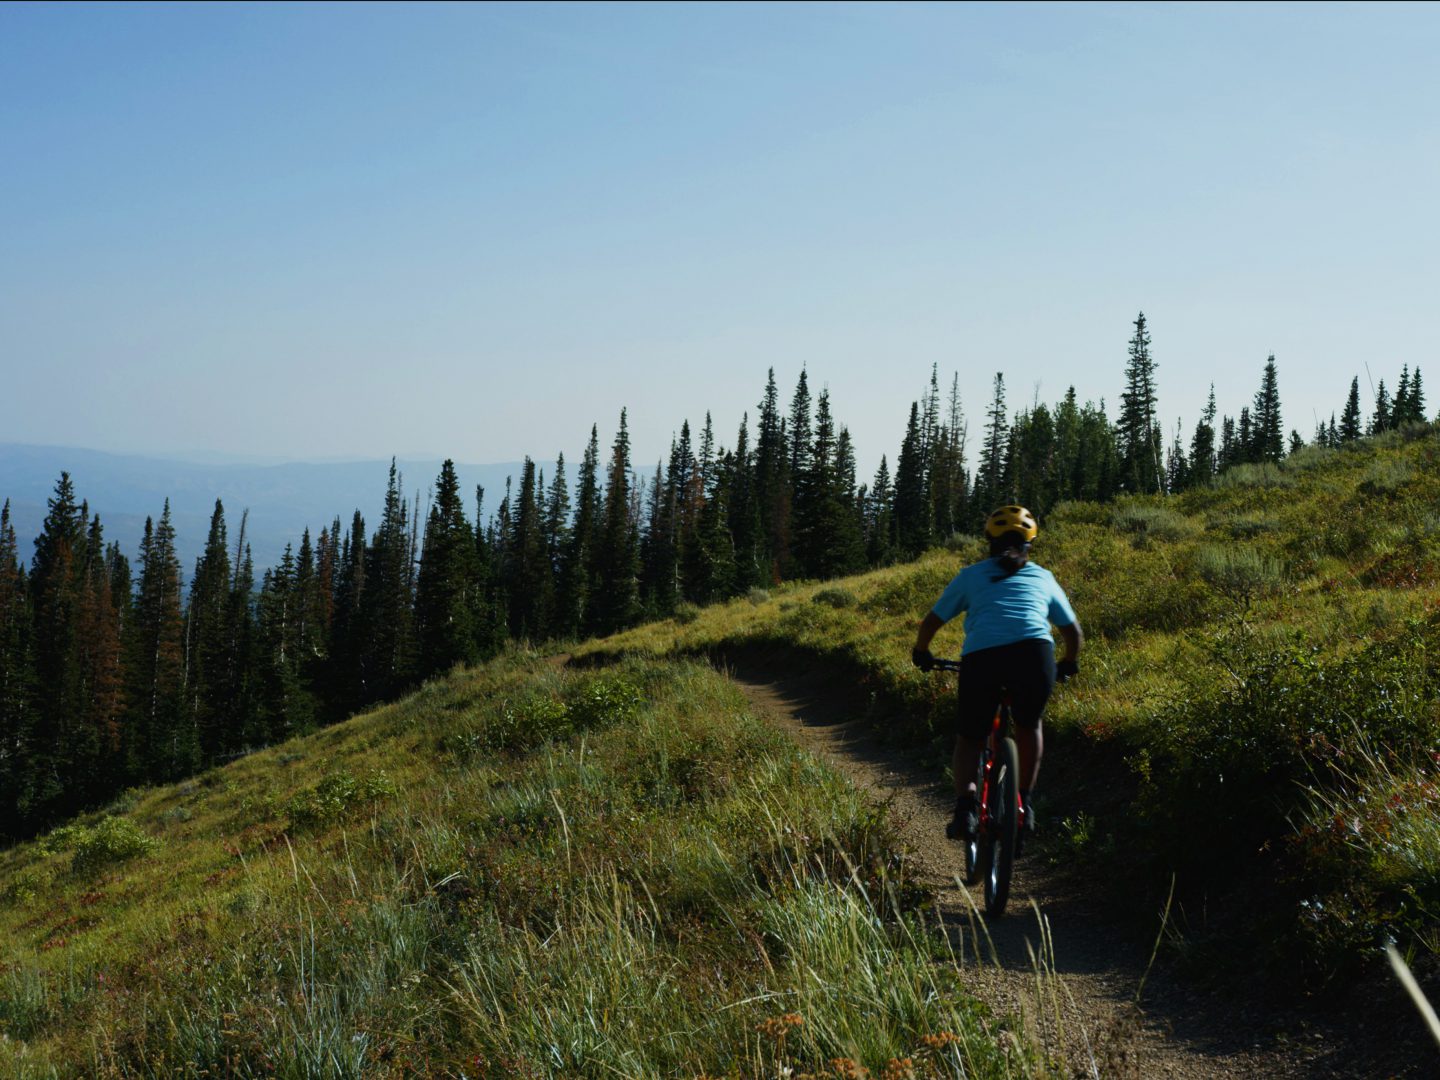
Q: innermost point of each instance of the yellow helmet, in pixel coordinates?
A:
(1010, 519)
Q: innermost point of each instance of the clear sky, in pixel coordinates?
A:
(350, 231)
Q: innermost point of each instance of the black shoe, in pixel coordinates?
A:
(964, 824)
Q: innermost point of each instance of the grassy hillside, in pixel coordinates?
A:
(519, 871)
(1259, 706)
(613, 869)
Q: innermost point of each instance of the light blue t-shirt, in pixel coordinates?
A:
(1002, 610)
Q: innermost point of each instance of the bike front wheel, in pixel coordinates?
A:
(1001, 830)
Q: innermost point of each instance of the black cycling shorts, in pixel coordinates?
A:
(1024, 669)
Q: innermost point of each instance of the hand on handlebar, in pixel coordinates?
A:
(1066, 670)
(923, 659)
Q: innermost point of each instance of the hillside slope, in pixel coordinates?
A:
(518, 871)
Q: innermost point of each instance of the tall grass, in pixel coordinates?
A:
(619, 872)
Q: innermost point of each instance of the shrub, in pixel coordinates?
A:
(1386, 477)
(62, 839)
(835, 597)
(1263, 474)
(112, 840)
(1239, 573)
(602, 701)
(1144, 522)
(337, 795)
(25, 886)
(686, 613)
(1309, 457)
(757, 595)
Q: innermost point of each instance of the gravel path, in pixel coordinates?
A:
(1084, 1006)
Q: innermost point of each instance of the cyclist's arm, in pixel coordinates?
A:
(1073, 639)
(926, 630)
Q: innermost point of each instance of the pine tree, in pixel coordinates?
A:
(617, 558)
(387, 603)
(1350, 419)
(1400, 407)
(879, 517)
(448, 600)
(1409, 404)
(1245, 447)
(207, 693)
(828, 538)
(1383, 418)
(1139, 433)
(1268, 433)
(992, 484)
(772, 482)
(1033, 460)
(1098, 462)
(346, 669)
(1202, 446)
(287, 703)
(163, 746)
(1067, 445)
(576, 582)
(526, 562)
(1177, 467)
(744, 525)
(912, 506)
(94, 756)
(55, 584)
(711, 572)
(17, 688)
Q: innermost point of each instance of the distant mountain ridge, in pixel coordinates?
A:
(283, 500)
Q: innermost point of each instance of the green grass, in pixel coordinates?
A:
(521, 870)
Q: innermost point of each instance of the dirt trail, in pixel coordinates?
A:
(1089, 1013)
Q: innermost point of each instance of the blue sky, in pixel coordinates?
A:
(347, 232)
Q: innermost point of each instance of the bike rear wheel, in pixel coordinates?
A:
(1001, 828)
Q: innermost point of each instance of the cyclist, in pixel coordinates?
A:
(1009, 604)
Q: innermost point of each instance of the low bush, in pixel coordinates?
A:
(1145, 522)
(835, 597)
(1241, 574)
(109, 841)
(1257, 475)
(336, 796)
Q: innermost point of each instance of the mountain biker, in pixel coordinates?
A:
(1009, 604)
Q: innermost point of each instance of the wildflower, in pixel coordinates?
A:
(899, 1069)
(937, 1043)
(777, 1027)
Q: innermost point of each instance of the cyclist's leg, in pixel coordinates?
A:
(979, 696)
(1031, 677)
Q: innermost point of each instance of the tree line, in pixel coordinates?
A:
(113, 674)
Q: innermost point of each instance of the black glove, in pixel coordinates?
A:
(1066, 670)
(923, 659)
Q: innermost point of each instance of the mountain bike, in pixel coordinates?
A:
(990, 856)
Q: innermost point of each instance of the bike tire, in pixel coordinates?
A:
(1004, 825)
(973, 847)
